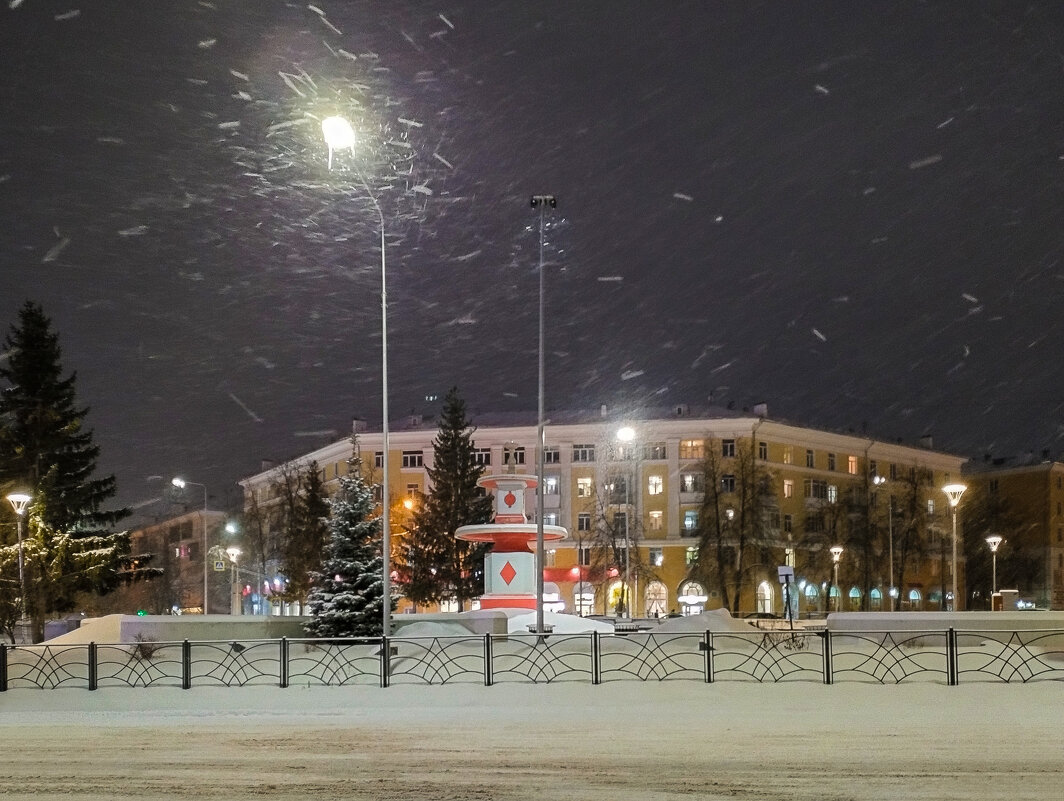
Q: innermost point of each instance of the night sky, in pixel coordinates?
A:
(850, 211)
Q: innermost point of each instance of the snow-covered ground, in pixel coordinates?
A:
(628, 740)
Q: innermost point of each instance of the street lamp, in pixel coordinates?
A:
(626, 435)
(180, 483)
(836, 555)
(234, 588)
(892, 591)
(541, 202)
(994, 541)
(339, 135)
(19, 501)
(954, 493)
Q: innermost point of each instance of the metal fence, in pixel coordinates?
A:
(885, 657)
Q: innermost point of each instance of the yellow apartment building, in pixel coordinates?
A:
(697, 508)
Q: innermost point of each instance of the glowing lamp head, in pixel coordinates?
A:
(338, 133)
(178, 482)
(954, 493)
(233, 552)
(836, 553)
(994, 541)
(626, 434)
(19, 501)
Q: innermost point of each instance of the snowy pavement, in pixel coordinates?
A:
(636, 741)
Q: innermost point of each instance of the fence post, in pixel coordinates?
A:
(186, 665)
(596, 658)
(92, 666)
(489, 673)
(283, 677)
(386, 661)
(952, 673)
(3, 667)
(707, 646)
(828, 667)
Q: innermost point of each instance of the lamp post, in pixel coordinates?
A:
(954, 493)
(340, 135)
(626, 435)
(891, 591)
(19, 501)
(836, 555)
(542, 202)
(180, 483)
(234, 588)
(994, 541)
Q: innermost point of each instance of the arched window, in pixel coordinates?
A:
(614, 599)
(875, 600)
(915, 600)
(764, 597)
(657, 599)
(692, 598)
(584, 598)
(812, 597)
(855, 599)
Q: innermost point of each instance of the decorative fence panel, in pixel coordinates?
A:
(886, 657)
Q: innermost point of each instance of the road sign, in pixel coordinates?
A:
(219, 565)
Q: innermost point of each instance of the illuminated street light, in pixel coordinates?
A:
(626, 435)
(893, 592)
(234, 586)
(954, 493)
(19, 501)
(339, 135)
(541, 202)
(836, 555)
(180, 483)
(994, 541)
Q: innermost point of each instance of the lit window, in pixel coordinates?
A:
(690, 520)
(550, 485)
(851, 465)
(691, 555)
(692, 482)
(692, 449)
(788, 454)
(655, 485)
(656, 521)
(930, 506)
(583, 488)
(788, 488)
(833, 493)
(657, 557)
(550, 518)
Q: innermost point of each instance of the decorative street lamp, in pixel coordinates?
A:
(954, 493)
(836, 555)
(234, 587)
(19, 501)
(626, 435)
(180, 483)
(542, 202)
(893, 591)
(340, 135)
(994, 541)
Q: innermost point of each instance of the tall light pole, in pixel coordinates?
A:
(340, 135)
(180, 483)
(836, 555)
(234, 588)
(627, 435)
(891, 590)
(954, 493)
(542, 202)
(994, 541)
(19, 501)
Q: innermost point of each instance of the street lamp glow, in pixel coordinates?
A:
(339, 134)
(180, 483)
(836, 555)
(954, 493)
(994, 540)
(893, 591)
(19, 501)
(626, 434)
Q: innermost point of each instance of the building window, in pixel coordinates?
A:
(815, 488)
(690, 521)
(692, 449)
(412, 490)
(655, 450)
(550, 518)
(762, 451)
(788, 454)
(655, 485)
(413, 459)
(788, 523)
(513, 454)
(691, 555)
(657, 557)
(727, 483)
(788, 488)
(618, 488)
(551, 455)
(656, 521)
(727, 448)
(810, 458)
(482, 456)
(583, 487)
(831, 461)
(833, 493)
(583, 453)
(620, 521)
(930, 506)
(814, 523)
(872, 468)
(788, 556)
(550, 485)
(378, 461)
(622, 453)
(583, 522)
(692, 482)
(657, 600)
(851, 465)
(584, 557)
(893, 472)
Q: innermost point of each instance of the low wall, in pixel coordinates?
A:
(1005, 622)
(172, 628)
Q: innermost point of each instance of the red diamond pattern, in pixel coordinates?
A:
(507, 573)
(510, 499)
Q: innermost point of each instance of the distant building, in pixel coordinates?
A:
(784, 493)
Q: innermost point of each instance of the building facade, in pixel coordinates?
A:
(700, 509)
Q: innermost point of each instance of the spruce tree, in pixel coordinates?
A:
(305, 535)
(435, 566)
(46, 451)
(346, 596)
